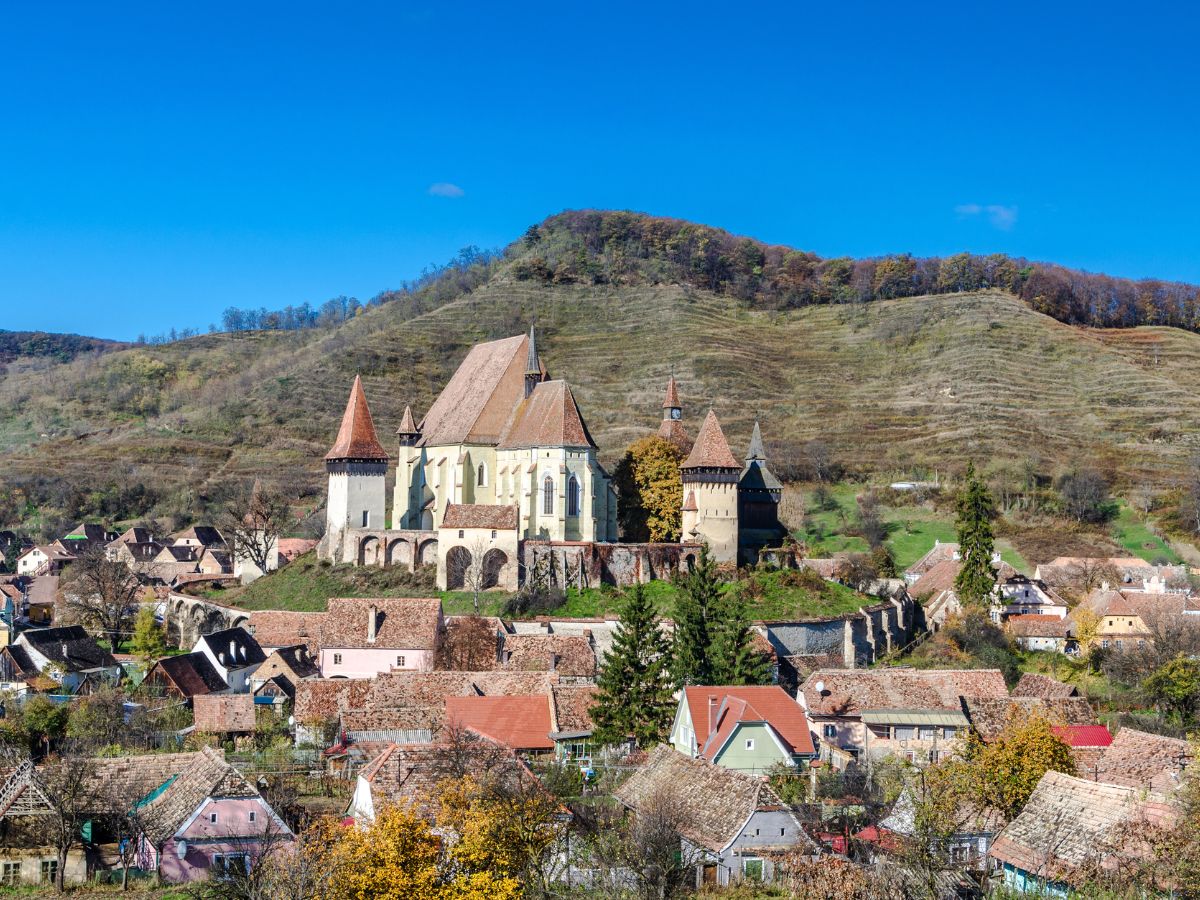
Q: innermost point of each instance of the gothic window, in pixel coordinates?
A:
(548, 496)
(481, 478)
(572, 497)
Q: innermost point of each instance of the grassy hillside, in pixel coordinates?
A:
(893, 387)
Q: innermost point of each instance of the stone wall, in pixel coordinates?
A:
(586, 564)
(187, 618)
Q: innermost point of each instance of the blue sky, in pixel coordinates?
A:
(162, 161)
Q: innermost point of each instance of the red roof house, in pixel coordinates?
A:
(520, 722)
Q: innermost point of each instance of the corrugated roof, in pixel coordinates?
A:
(1083, 735)
(356, 438)
(914, 717)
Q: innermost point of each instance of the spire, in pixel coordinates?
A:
(711, 450)
(671, 401)
(408, 431)
(756, 445)
(533, 368)
(356, 438)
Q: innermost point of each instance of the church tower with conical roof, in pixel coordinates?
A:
(710, 487)
(357, 465)
(759, 493)
(408, 493)
(672, 428)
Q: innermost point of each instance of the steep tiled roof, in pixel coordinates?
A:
(714, 802)
(324, 699)
(549, 417)
(1142, 760)
(223, 713)
(1070, 822)
(234, 648)
(520, 722)
(1039, 626)
(711, 450)
(69, 646)
(937, 578)
(989, 716)
(480, 515)
(572, 707)
(407, 424)
(192, 674)
(1034, 685)
(671, 398)
(283, 628)
(480, 397)
(689, 505)
(939, 552)
(356, 438)
(850, 691)
(717, 710)
(532, 652)
(207, 776)
(402, 623)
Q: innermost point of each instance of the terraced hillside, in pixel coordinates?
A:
(889, 386)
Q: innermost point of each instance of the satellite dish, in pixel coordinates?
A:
(181, 849)
(820, 686)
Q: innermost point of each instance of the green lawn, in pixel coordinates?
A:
(1130, 531)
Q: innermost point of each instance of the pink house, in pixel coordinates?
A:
(361, 638)
(205, 821)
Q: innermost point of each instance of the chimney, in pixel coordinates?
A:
(1104, 585)
(233, 650)
(712, 712)
(372, 615)
(553, 661)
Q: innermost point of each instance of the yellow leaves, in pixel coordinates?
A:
(649, 481)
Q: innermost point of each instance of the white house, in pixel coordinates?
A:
(234, 653)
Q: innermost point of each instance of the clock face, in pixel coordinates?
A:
(676, 413)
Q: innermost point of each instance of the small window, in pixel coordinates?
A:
(253, 816)
(905, 732)
(782, 832)
(10, 872)
(548, 496)
(750, 746)
(400, 661)
(366, 518)
(949, 731)
(228, 865)
(49, 871)
(481, 475)
(493, 535)
(830, 731)
(212, 818)
(337, 659)
(756, 832)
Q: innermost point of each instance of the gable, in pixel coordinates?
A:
(766, 751)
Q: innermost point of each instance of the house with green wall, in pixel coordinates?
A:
(748, 729)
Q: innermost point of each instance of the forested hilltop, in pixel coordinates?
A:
(974, 365)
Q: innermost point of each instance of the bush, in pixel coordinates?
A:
(533, 601)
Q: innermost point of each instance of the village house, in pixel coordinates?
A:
(914, 714)
(519, 723)
(1043, 632)
(360, 638)
(201, 536)
(971, 830)
(224, 715)
(749, 729)
(185, 677)
(478, 547)
(66, 658)
(44, 559)
(277, 628)
(1070, 825)
(234, 654)
(989, 716)
(572, 657)
(730, 823)
(277, 677)
(1031, 684)
(1127, 618)
(1130, 572)
(84, 537)
(1149, 762)
(1018, 595)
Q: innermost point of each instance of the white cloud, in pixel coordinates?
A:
(1000, 216)
(445, 189)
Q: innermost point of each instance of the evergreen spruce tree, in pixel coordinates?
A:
(977, 578)
(733, 657)
(696, 603)
(635, 691)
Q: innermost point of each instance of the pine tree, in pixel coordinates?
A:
(976, 509)
(634, 696)
(148, 642)
(697, 601)
(733, 657)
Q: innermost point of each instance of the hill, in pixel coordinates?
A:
(895, 386)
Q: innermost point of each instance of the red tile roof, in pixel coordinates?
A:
(522, 723)
(722, 708)
(549, 417)
(480, 515)
(711, 450)
(671, 400)
(356, 438)
(1083, 735)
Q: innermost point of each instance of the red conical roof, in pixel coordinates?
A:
(356, 438)
(671, 401)
(711, 450)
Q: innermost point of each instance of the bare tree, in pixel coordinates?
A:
(74, 794)
(469, 571)
(102, 595)
(663, 865)
(252, 523)
(469, 645)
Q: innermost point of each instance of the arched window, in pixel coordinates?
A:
(572, 497)
(548, 496)
(481, 479)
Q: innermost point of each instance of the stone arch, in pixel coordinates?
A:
(400, 552)
(370, 552)
(494, 562)
(427, 552)
(689, 562)
(458, 563)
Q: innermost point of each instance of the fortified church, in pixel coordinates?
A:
(500, 478)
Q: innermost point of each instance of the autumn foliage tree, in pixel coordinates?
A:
(648, 481)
